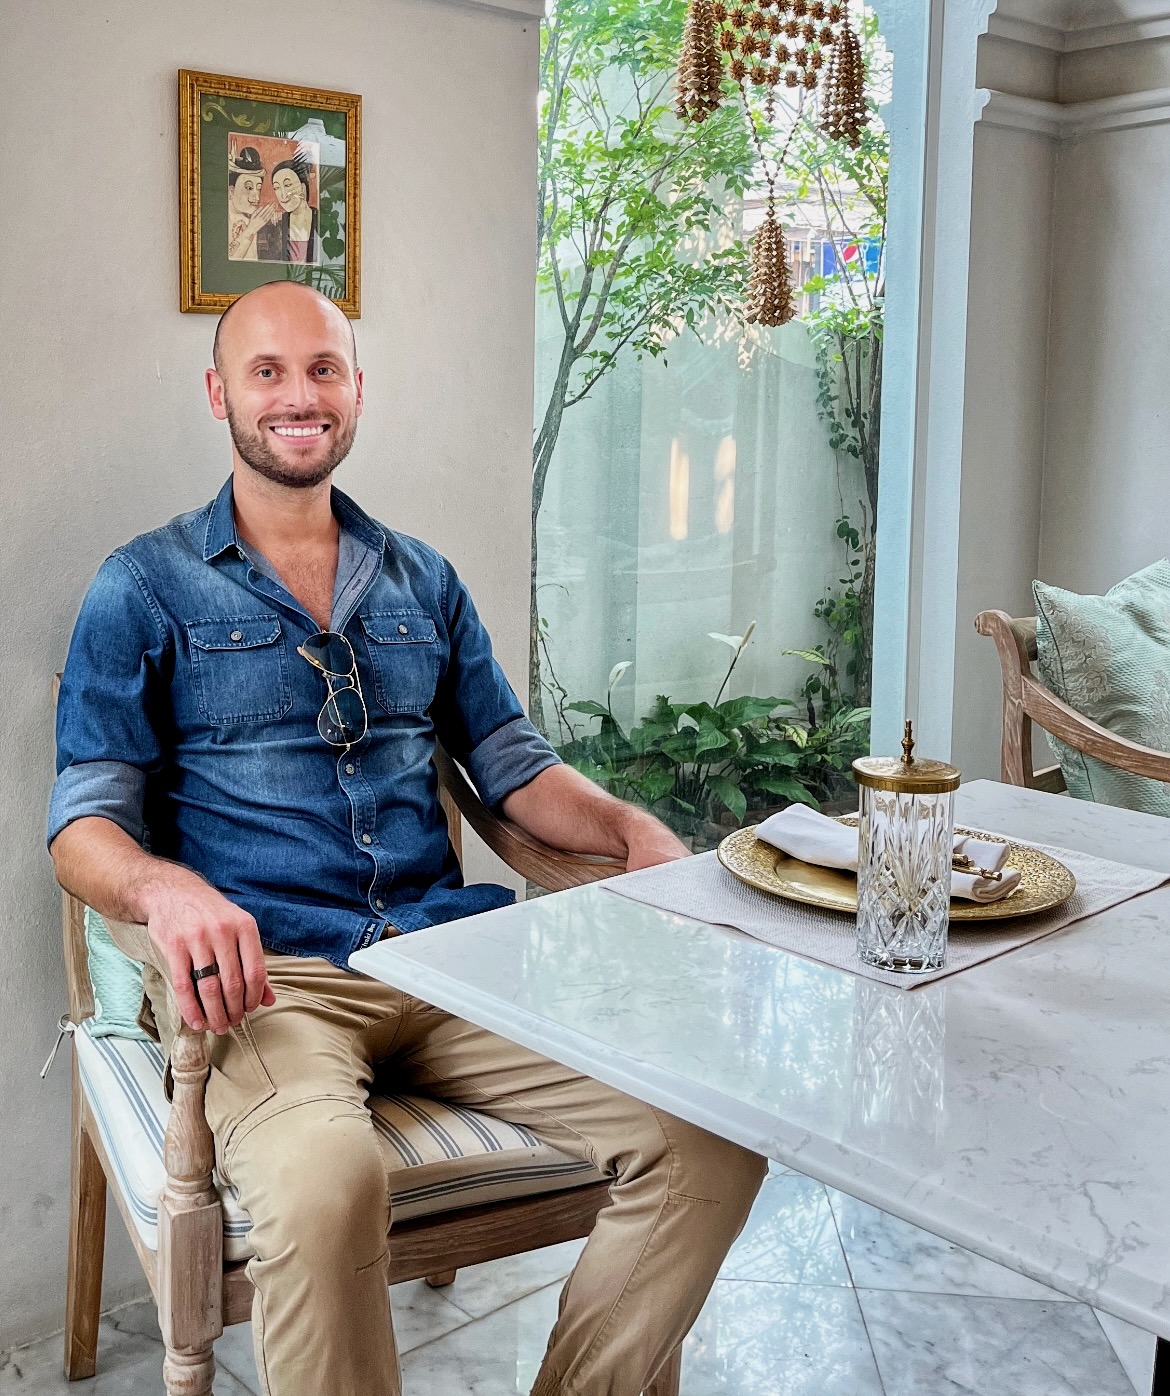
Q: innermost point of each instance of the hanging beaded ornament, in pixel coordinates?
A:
(766, 44)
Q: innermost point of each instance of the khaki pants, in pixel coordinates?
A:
(287, 1103)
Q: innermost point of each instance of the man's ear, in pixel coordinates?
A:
(216, 395)
(359, 377)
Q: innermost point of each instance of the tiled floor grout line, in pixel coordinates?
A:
(478, 1318)
(877, 1366)
(455, 1304)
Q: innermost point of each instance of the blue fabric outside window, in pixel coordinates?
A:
(185, 710)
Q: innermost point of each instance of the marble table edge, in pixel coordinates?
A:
(826, 1160)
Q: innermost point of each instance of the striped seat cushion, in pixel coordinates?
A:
(439, 1157)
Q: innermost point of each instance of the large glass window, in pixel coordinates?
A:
(705, 490)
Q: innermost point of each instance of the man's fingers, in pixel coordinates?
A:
(179, 964)
(208, 990)
(255, 972)
(230, 977)
(211, 998)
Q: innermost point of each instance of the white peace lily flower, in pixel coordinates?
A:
(615, 674)
(735, 642)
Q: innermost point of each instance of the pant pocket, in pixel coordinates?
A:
(239, 1083)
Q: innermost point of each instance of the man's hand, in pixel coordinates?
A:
(190, 923)
(194, 926)
(649, 842)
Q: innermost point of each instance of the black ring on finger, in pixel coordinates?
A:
(207, 972)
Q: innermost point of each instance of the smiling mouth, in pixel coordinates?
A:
(301, 433)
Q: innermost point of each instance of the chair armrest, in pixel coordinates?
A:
(188, 1147)
(550, 868)
(1089, 737)
(135, 941)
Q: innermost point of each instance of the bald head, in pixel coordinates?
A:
(266, 307)
(287, 383)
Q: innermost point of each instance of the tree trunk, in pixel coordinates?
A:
(542, 454)
(865, 614)
(535, 694)
(870, 443)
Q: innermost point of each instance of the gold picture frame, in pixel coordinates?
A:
(269, 190)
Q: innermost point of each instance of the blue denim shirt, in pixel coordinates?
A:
(186, 711)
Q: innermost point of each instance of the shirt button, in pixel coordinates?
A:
(237, 634)
(380, 904)
(366, 839)
(350, 768)
(403, 630)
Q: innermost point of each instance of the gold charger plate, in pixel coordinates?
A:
(1045, 882)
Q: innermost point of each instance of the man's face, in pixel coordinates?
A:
(245, 193)
(289, 190)
(288, 386)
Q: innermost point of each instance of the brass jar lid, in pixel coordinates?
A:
(906, 774)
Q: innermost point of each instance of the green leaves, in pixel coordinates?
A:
(694, 762)
(629, 199)
(588, 707)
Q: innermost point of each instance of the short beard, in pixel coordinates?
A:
(254, 448)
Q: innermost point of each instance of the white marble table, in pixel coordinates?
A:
(1019, 1109)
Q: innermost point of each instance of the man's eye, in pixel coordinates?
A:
(324, 369)
(266, 372)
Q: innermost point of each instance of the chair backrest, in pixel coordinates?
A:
(1027, 700)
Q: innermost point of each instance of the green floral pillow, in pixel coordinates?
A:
(1109, 658)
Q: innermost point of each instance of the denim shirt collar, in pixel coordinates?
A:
(220, 534)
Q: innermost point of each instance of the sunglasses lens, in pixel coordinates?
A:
(331, 652)
(343, 718)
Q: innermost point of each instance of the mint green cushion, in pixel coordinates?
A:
(1109, 658)
(117, 983)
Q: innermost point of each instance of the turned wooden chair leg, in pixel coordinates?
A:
(669, 1375)
(87, 1242)
(190, 1230)
(442, 1279)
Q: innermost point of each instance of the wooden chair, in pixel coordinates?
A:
(197, 1292)
(1027, 700)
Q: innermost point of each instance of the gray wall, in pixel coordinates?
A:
(1107, 461)
(1003, 419)
(107, 432)
(1066, 449)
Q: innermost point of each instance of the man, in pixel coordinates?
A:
(260, 685)
(246, 217)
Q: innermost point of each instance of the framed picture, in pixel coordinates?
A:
(269, 190)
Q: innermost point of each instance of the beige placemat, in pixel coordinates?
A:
(703, 889)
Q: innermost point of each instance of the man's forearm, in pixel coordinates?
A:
(102, 865)
(564, 809)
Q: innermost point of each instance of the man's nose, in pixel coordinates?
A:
(303, 393)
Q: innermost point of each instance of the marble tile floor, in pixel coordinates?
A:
(821, 1296)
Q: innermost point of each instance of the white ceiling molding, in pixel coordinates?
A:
(1002, 25)
(1063, 28)
(1077, 118)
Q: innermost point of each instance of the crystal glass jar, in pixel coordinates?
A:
(906, 839)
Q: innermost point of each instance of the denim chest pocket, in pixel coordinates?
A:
(240, 668)
(404, 653)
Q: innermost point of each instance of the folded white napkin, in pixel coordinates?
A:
(815, 838)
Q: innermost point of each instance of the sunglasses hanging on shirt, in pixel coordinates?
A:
(342, 720)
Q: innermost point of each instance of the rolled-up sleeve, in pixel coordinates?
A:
(477, 714)
(106, 740)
